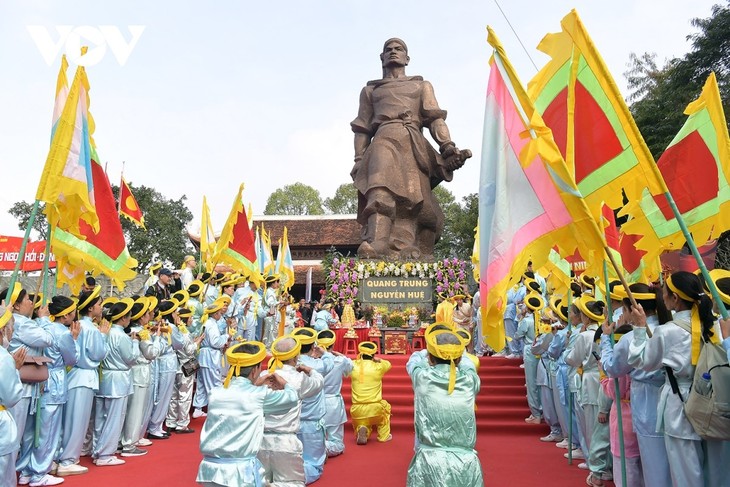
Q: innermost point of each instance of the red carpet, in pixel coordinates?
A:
(510, 450)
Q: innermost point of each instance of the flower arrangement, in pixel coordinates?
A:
(451, 277)
(344, 273)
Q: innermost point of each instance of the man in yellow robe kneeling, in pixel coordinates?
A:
(368, 407)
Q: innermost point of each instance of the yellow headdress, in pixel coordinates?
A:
(38, 300)
(195, 288)
(582, 304)
(144, 304)
(215, 306)
(278, 358)
(696, 321)
(619, 293)
(437, 326)
(13, 295)
(534, 301)
(556, 305)
(71, 307)
(716, 275)
(225, 300)
(464, 335)
(94, 294)
(326, 338)
(181, 297)
(5, 316)
(128, 303)
(109, 301)
(306, 336)
(155, 267)
(449, 352)
(366, 348)
(238, 359)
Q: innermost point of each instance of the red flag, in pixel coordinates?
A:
(128, 206)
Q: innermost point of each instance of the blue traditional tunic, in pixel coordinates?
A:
(445, 426)
(234, 429)
(11, 392)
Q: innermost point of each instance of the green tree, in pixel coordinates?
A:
(165, 238)
(21, 211)
(457, 238)
(294, 199)
(659, 95)
(344, 201)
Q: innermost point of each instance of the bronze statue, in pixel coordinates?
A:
(396, 168)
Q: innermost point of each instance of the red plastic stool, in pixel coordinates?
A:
(418, 343)
(350, 347)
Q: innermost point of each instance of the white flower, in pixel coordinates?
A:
(413, 272)
(360, 268)
(377, 272)
(396, 271)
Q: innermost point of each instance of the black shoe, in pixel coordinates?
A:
(150, 436)
(183, 431)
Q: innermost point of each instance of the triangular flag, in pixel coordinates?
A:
(235, 246)
(696, 168)
(128, 206)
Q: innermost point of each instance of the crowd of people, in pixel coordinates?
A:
(610, 378)
(89, 376)
(106, 377)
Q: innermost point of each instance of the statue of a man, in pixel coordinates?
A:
(396, 168)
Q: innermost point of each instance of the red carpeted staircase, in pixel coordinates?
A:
(501, 404)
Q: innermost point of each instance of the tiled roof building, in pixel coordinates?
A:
(310, 236)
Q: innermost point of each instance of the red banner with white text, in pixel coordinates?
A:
(34, 254)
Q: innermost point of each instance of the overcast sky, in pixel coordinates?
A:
(218, 93)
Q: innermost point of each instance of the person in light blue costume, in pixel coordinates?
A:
(210, 290)
(645, 386)
(63, 353)
(583, 355)
(311, 429)
(11, 392)
(167, 365)
(115, 385)
(82, 381)
(335, 416)
(27, 333)
(230, 448)
(195, 289)
(445, 388)
(476, 318)
(567, 379)
(141, 378)
(526, 330)
(323, 318)
(250, 311)
(515, 297)
(178, 415)
(271, 304)
(546, 382)
(209, 357)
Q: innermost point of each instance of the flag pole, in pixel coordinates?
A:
(570, 393)
(46, 254)
(617, 388)
(21, 253)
